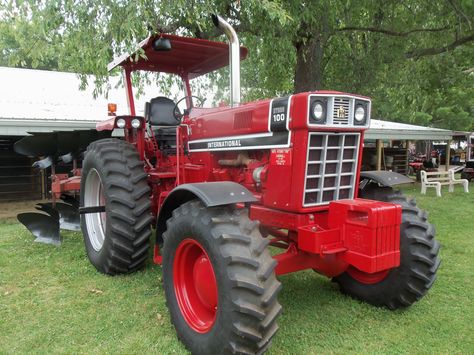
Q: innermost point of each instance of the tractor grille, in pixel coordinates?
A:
(341, 111)
(330, 168)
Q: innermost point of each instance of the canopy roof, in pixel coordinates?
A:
(188, 56)
(402, 131)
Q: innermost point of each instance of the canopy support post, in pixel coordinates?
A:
(128, 84)
(448, 154)
(379, 146)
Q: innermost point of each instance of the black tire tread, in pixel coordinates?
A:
(127, 205)
(254, 307)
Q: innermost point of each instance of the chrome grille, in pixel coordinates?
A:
(341, 111)
(331, 165)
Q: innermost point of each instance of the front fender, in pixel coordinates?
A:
(210, 193)
(384, 178)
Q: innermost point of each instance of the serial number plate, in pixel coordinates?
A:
(281, 157)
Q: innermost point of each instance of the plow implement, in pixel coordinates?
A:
(54, 150)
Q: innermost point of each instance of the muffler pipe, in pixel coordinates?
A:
(234, 57)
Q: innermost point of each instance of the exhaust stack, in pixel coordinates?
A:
(234, 57)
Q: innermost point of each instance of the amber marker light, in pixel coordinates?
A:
(112, 108)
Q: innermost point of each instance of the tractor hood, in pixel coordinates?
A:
(270, 123)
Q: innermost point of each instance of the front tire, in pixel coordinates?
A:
(419, 261)
(219, 280)
(117, 240)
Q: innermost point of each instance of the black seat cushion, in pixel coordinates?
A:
(159, 112)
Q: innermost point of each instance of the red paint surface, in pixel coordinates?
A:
(195, 285)
(281, 157)
(189, 57)
(107, 125)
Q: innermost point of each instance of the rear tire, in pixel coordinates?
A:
(116, 241)
(419, 261)
(241, 316)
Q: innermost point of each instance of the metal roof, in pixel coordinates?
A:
(401, 131)
(40, 100)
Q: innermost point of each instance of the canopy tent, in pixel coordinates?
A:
(401, 131)
(394, 131)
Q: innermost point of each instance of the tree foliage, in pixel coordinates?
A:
(415, 58)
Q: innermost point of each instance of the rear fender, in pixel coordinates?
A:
(211, 194)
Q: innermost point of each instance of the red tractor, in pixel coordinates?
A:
(220, 186)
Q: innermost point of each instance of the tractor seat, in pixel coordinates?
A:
(160, 112)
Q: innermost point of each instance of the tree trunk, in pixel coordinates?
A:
(309, 65)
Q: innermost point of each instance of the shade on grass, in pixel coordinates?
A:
(52, 299)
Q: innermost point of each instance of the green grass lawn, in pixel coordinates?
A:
(53, 300)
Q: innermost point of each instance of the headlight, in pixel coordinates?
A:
(136, 123)
(318, 112)
(120, 123)
(359, 114)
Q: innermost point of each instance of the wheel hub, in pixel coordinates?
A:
(195, 285)
(95, 222)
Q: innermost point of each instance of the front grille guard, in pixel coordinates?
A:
(331, 163)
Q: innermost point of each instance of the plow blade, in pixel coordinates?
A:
(68, 215)
(65, 144)
(70, 200)
(56, 147)
(44, 227)
(48, 208)
(43, 163)
(86, 137)
(37, 145)
(66, 158)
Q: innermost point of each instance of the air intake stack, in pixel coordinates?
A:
(234, 57)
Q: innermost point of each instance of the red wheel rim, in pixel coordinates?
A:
(195, 285)
(366, 278)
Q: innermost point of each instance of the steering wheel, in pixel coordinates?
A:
(177, 114)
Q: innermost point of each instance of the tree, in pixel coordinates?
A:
(414, 58)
